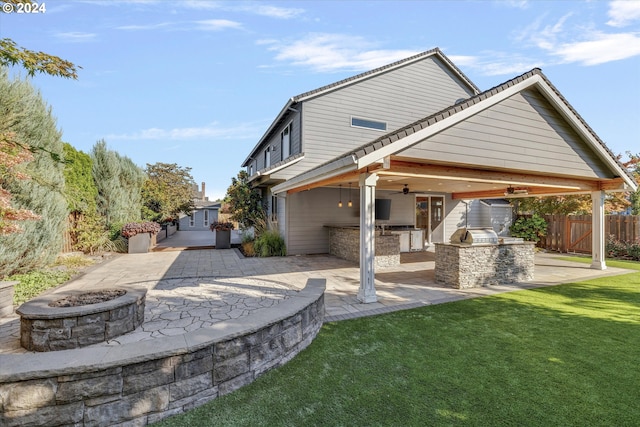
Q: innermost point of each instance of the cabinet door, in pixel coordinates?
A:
(417, 240)
(405, 241)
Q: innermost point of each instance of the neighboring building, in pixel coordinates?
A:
(203, 215)
(420, 133)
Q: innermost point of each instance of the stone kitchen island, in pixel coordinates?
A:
(344, 242)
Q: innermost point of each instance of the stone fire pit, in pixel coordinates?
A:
(65, 320)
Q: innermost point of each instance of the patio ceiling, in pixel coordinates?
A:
(464, 182)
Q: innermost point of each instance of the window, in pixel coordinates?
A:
(274, 209)
(369, 124)
(250, 169)
(206, 218)
(192, 219)
(285, 141)
(267, 157)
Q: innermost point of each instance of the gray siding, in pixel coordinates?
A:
(199, 220)
(274, 141)
(397, 97)
(522, 133)
(310, 211)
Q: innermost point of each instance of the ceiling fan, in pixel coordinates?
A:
(405, 190)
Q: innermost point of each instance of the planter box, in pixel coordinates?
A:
(223, 239)
(6, 298)
(140, 243)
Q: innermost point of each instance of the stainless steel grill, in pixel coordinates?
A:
(475, 236)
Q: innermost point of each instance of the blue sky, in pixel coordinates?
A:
(197, 83)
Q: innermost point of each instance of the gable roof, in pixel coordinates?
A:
(355, 79)
(367, 74)
(417, 131)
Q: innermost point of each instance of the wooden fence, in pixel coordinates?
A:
(572, 233)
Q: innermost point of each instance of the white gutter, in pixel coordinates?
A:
(282, 166)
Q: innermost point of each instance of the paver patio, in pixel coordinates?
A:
(191, 289)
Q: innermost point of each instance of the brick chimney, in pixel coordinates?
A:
(204, 198)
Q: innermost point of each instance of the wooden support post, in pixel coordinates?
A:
(367, 291)
(597, 231)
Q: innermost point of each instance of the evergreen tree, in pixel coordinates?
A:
(119, 182)
(27, 118)
(80, 189)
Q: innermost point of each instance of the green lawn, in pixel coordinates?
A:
(566, 355)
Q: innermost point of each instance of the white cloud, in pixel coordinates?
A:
(579, 43)
(76, 36)
(276, 12)
(496, 63)
(211, 131)
(516, 4)
(601, 48)
(623, 12)
(200, 4)
(218, 25)
(146, 26)
(333, 52)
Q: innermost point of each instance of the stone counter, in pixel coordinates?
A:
(467, 266)
(344, 242)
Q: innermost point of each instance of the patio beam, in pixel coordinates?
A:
(421, 170)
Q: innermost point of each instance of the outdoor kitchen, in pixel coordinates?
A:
(477, 257)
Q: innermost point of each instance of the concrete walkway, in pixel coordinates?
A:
(191, 289)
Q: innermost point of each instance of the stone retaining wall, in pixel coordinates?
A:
(468, 266)
(345, 243)
(144, 382)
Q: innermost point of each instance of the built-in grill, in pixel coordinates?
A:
(475, 236)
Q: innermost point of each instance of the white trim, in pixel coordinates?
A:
(368, 120)
(276, 169)
(330, 170)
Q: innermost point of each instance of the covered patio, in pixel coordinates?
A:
(520, 139)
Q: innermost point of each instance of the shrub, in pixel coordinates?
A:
(270, 243)
(221, 226)
(531, 228)
(623, 250)
(248, 248)
(133, 228)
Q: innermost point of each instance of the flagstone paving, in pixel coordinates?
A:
(192, 289)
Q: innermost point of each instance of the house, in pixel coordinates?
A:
(418, 132)
(204, 213)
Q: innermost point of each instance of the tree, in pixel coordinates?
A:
(12, 150)
(633, 166)
(167, 192)
(119, 182)
(27, 124)
(11, 156)
(80, 188)
(34, 62)
(245, 204)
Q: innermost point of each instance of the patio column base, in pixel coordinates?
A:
(367, 297)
